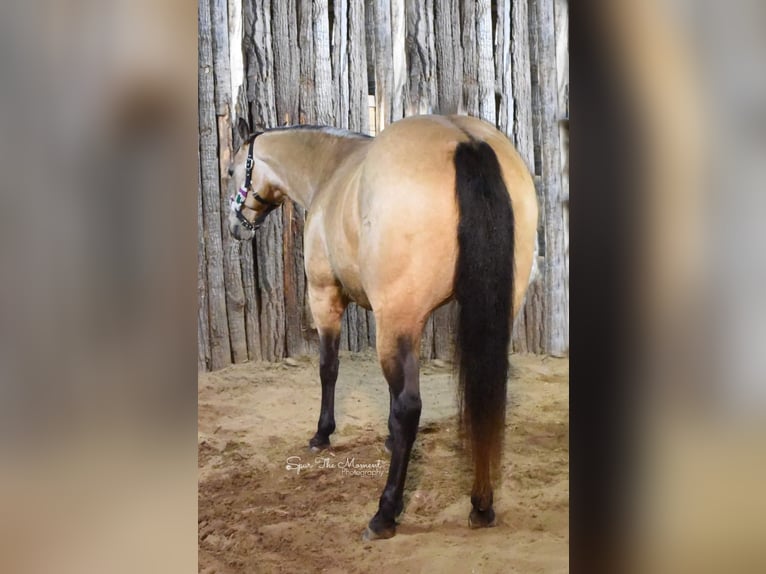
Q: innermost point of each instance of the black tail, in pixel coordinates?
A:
(484, 292)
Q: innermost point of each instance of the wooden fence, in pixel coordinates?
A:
(267, 63)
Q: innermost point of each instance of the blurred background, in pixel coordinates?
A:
(695, 382)
(97, 298)
(100, 155)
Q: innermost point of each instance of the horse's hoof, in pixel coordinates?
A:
(369, 534)
(481, 519)
(318, 444)
(379, 528)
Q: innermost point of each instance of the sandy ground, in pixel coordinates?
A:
(256, 515)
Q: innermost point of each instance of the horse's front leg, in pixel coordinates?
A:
(328, 374)
(327, 307)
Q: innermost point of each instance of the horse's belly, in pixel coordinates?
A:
(331, 259)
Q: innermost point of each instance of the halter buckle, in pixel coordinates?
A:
(245, 223)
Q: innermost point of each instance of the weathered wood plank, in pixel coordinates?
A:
(384, 65)
(306, 94)
(257, 46)
(522, 82)
(252, 306)
(235, 297)
(220, 348)
(449, 56)
(345, 330)
(268, 242)
(444, 331)
(358, 110)
(323, 78)
(470, 57)
(503, 69)
(523, 137)
(562, 68)
(221, 55)
(556, 311)
(371, 329)
(284, 22)
(421, 58)
(294, 279)
(340, 55)
(533, 320)
(369, 42)
(534, 59)
(203, 322)
(485, 61)
(398, 60)
(237, 67)
(427, 342)
(357, 328)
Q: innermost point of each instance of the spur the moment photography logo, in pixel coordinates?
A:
(347, 466)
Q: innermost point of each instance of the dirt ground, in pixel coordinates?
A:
(257, 515)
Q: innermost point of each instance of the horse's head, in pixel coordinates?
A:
(258, 195)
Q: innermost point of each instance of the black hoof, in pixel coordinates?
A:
(319, 443)
(379, 529)
(481, 518)
(369, 534)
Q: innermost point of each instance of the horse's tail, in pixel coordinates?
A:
(484, 292)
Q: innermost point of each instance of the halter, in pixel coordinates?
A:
(237, 201)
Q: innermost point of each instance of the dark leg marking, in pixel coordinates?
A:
(389, 445)
(328, 374)
(401, 372)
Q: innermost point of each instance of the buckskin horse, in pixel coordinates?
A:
(434, 208)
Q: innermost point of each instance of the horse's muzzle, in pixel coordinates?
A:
(239, 232)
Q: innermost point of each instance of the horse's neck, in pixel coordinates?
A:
(304, 160)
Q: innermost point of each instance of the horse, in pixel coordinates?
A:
(432, 209)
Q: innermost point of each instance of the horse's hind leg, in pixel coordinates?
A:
(398, 353)
(390, 439)
(327, 306)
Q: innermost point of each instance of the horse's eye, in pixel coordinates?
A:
(231, 171)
